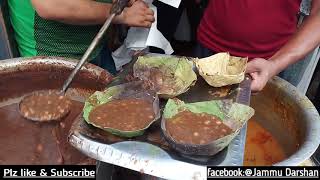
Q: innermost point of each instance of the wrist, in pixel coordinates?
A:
(119, 19)
(281, 60)
(276, 66)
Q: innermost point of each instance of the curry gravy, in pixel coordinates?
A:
(45, 107)
(28, 142)
(262, 149)
(125, 115)
(193, 128)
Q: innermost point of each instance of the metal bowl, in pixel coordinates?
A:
(291, 118)
(89, 79)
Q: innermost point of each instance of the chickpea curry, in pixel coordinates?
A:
(45, 107)
(193, 128)
(125, 114)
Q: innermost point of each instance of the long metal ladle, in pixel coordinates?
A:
(116, 9)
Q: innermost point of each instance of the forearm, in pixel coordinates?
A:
(76, 12)
(303, 42)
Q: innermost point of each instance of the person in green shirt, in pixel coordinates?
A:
(66, 28)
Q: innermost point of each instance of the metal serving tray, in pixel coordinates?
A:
(150, 154)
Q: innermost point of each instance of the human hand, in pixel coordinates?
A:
(260, 70)
(131, 2)
(138, 15)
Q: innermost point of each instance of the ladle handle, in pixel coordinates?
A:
(116, 9)
(87, 53)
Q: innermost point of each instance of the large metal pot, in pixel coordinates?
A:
(54, 71)
(24, 75)
(291, 118)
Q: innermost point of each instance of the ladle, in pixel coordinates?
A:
(59, 113)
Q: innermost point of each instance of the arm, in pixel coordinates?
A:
(303, 42)
(76, 12)
(306, 39)
(89, 12)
